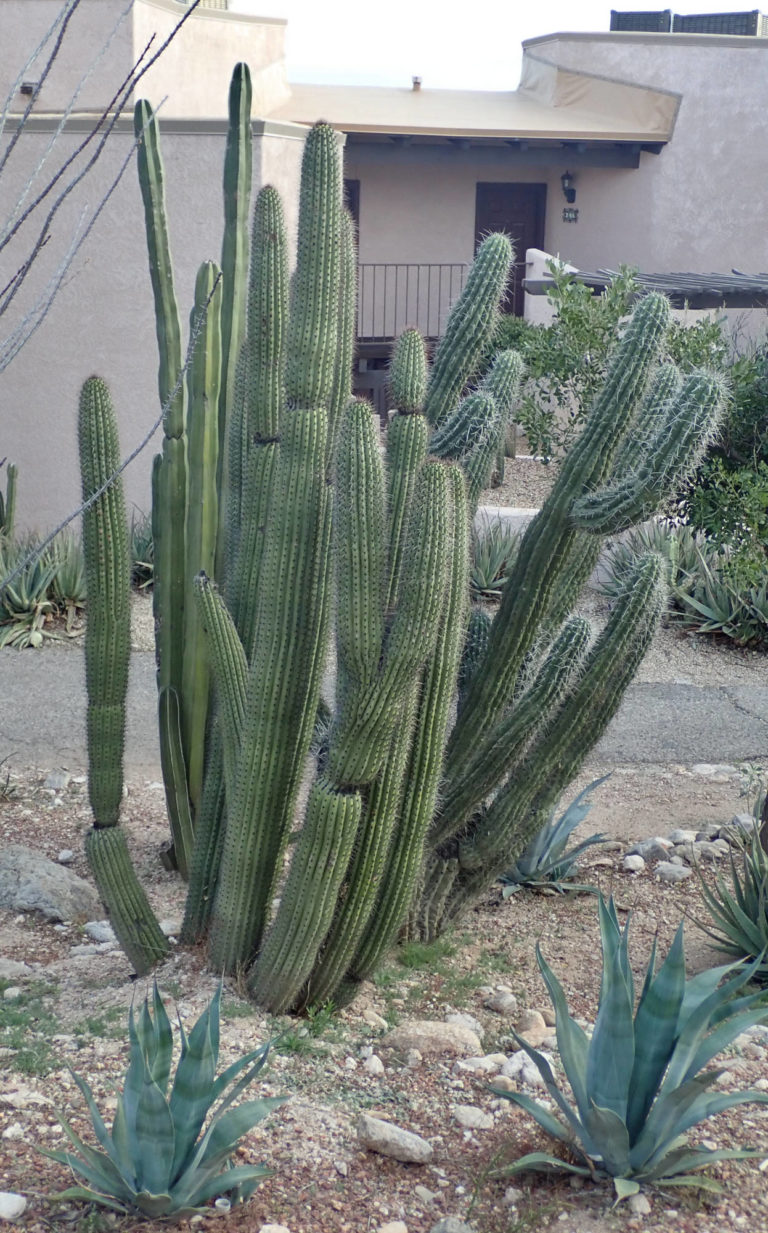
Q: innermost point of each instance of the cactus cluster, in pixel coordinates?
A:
(326, 552)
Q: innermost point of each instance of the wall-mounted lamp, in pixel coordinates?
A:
(569, 188)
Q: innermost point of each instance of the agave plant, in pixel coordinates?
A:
(548, 861)
(158, 1160)
(740, 916)
(142, 552)
(638, 1084)
(493, 554)
(68, 583)
(25, 603)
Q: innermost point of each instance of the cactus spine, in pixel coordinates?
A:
(107, 654)
(405, 824)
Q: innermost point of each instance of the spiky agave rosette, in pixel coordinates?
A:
(157, 1159)
(638, 1085)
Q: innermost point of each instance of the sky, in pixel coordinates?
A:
(357, 42)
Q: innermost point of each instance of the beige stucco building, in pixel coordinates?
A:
(662, 135)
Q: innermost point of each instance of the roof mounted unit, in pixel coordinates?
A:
(658, 22)
(752, 23)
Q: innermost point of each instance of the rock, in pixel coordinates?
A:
(11, 1205)
(429, 1036)
(389, 1140)
(12, 969)
(172, 927)
(667, 871)
(451, 1224)
(740, 824)
(425, 1195)
(503, 1003)
(341, 1167)
(460, 1019)
(639, 1205)
(15, 1130)
(30, 882)
(373, 1065)
(713, 768)
(413, 1059)
(12, 993)
(512, 1196)
(532, 1028)
(651, 849)
(471, 1117)
(701, 851)
(393, 1226)
(375, 1021)
(56, 781)
(681, 836)
(100, 931)
(487, 1065)
(66, 856)
(274, 1228)
(633, 863)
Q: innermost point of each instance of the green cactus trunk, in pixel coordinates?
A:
(107, 656)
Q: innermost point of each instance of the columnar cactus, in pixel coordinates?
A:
(405, 824)
(107, 653)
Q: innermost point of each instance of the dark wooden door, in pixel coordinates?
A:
(517, 209)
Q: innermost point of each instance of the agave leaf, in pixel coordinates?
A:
(655, 1032)
(625, 1187)
(679, 1110)
(716, 1007)
(572, 1041)
(155, 1205)
(609, 1134)
(699, 1182)
(225, 1078)
(192, 1093)
(546, 1120)
(96, 1168)
(162, 1042)
(230, 1180)
(701, 987)
(88, 1196)
(157, 1138)
(545, 1070)
(697, 1052)
(260, 1056)
(228, 1128)
(113, 1148)
(611, 1052)
(685, 1159)
(541, 1162)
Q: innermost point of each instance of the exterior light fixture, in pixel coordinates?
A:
(569, 188)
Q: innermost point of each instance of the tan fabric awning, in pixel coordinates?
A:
(551, 104)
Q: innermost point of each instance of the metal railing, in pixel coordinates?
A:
(392, 296)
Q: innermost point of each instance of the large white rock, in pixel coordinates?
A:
(431, 1036)
(390, 1140)
(11, 1205)
(30, 882)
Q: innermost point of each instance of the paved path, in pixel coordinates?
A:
(42, 718)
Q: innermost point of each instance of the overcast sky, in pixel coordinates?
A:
(387, 43)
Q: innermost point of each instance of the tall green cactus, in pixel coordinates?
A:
(107, 654)
(405, 823)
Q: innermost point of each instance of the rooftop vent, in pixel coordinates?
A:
(415, 83)
(663, 21)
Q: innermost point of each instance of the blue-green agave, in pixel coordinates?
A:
(158, 1160)
(638, 1085)
(740, 917)
(548, 861)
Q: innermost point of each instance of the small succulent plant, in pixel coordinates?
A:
(740, 915)
(547, 861)
(638, 1084)
(158, 1160)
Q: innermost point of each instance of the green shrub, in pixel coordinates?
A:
(638, 1083)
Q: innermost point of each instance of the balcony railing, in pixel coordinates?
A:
(392, 296)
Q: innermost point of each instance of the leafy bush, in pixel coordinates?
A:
(157, 1160)
(548, 861)
(638, 1085)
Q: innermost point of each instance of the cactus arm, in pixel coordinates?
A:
(475, 648)
(408, 373)
(495, 755)
(230, 670)
(469, 326)
(345, 350)
(291, 624)
(359, 547)
(422, 778)
(547, 546)
(8, 506)
(207, 842)
(679, 441)
(107, 656)
(471, 422)
(238, 171)
(309, 897)
(204, 380)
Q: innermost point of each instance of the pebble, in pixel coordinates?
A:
(11, 1205)
(451, 1224)
(532, 1028)
(668, 871)
(487, 1065)
(425, 1195)
(12, 993)
(373, 1065)
(393, 1226)
(713, 768)
(387, 1139)
(341, 1167)
(66, 856)
(638, 1204)
(274, 1228)
(100, 931)
(471, 1117)
(14, 1131)
(502, 1003)
(56, 781)
(633, 863)
(656, 849)
(682, 836)
(413, 1059)
(375, 1020)
(461, 1019)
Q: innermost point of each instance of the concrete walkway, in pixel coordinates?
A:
(42, 718)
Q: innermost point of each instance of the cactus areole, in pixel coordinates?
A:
(336, 555)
